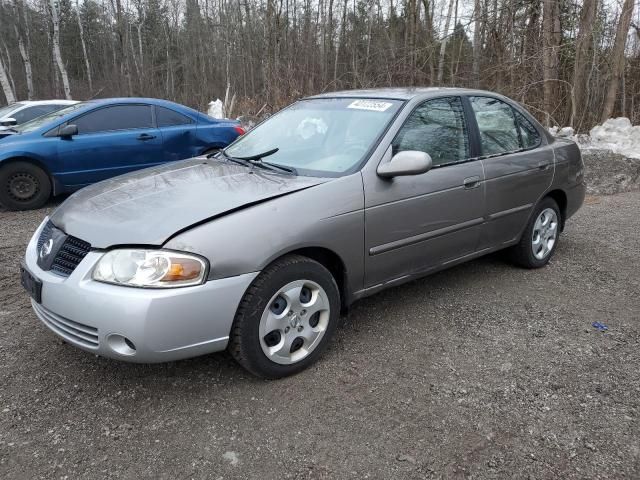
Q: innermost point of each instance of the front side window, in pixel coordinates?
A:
(165, 117)
(117, 117)
(321, 136)
(436, 127)
(497, 125)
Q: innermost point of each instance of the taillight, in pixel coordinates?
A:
(239, 130)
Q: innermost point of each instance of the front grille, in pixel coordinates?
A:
(74, 332)
(70, 253)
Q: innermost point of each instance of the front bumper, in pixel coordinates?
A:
(161, 324)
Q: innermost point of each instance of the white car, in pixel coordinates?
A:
(21, 112)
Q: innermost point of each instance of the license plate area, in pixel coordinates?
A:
(31, 284)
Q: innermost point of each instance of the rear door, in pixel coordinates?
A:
(179, 138)
(416, 223)
(518, 167)
(111, 141)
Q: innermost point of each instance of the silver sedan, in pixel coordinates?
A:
(258, 249)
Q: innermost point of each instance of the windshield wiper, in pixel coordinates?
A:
(259, 156)
(257, 160)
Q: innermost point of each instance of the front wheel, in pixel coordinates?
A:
(286, 318)
(540, 238)
(23, 186)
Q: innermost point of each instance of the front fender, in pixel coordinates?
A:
(329, 215)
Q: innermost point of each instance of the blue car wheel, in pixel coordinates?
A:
(23, 186)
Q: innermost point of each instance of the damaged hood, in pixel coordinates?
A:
(147, 207)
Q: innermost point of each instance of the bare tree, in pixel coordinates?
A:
(617, 58)
(443, 42)
(56, 50)
(6, 84)
(550, 60)
(84, 47)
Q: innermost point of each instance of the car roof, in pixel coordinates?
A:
(403, 93)
(30, 103)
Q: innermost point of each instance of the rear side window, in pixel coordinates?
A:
(118, 117)
(436, 127)
(165, 117)
(497, 125)
(528, 133)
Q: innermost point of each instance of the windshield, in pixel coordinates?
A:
(49, 117)
(9, 108)
(322, 137)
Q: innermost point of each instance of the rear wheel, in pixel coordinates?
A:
(540, 238)
(286, 318)
(23, 186)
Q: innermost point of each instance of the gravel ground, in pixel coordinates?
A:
(482, 371)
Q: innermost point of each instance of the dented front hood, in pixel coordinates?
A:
(147, 207)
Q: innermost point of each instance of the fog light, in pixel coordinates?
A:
(121, 344)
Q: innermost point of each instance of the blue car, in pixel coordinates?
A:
(91, 141)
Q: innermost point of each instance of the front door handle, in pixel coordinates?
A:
(145, 136)
(471, 182)
(543, 165)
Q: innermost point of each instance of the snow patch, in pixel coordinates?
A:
(615, 134)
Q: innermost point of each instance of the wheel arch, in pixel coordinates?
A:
(332, 262)
(34, 161)
(560, 198)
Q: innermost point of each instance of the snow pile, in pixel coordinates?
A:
(616, 135)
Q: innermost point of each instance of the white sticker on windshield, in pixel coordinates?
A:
(372, 105)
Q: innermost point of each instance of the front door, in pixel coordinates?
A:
(111, 141)
(416, 223)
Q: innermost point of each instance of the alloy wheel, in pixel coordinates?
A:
(545, 233)
(294, 322)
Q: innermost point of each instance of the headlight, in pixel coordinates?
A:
(150, 268)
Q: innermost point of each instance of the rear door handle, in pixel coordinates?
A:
(145, 136)
(471, 182)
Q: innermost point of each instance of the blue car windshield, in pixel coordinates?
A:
(321, 137)
(38, 122)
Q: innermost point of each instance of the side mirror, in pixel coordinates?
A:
(68, 131)
(8, 121)
(409, 162)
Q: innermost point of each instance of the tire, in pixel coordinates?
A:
(23, 186)
(266, 338)
(538, 243)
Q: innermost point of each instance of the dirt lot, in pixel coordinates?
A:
(483, 371)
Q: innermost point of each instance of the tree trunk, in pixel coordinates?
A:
(26, 61)
(87, 65)
(617, 59)
(56, 50)
(443, 43)
(6, 84)
(477, 40)
(551, 45)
